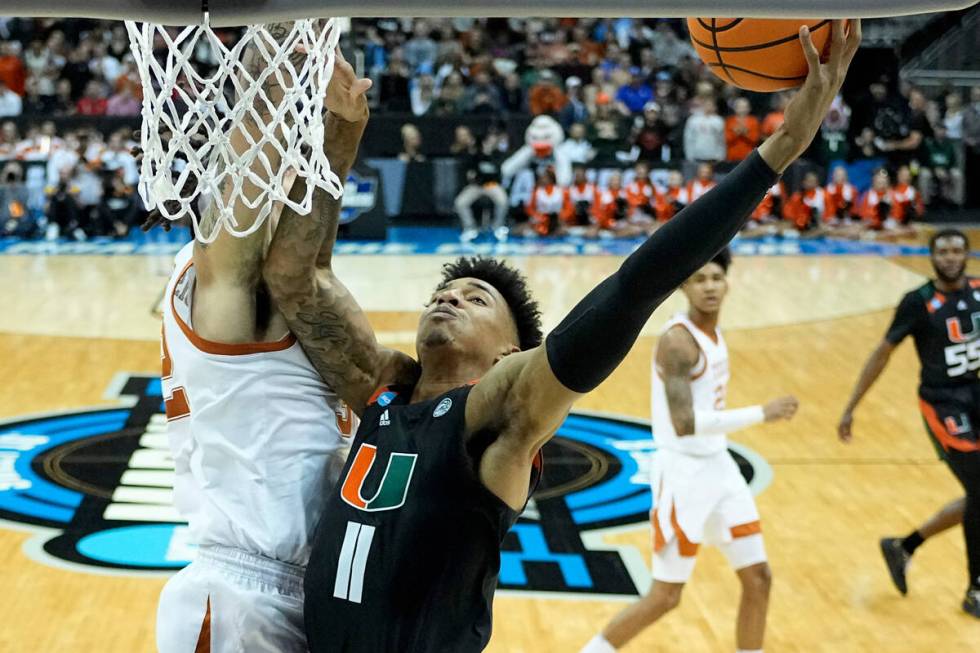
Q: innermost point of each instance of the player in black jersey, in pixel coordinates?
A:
(406, 555)
(943, 318)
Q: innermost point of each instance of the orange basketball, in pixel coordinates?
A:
(757, 54)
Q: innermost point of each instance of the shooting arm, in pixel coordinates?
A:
(320, 311)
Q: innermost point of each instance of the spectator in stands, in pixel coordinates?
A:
(953, 117)
(450, 95)
(37, 59)
(63, 211)
(9, 140)
(464, 143)
(612, 210)
(76, 70)
(393, 84)
(545, 96)
(103, 65)
(704, 133)
(971, 147)
(15, 216)
(547, 204)
(806, 209)
(94, 102)
(703, 182)
(512, 94)
(842, 198)
(481, 171)
(834, 145)
(420, 50)
(650, 135)
(576, 148)
(123, 103)
(641, 194)
(117, 158)
(582, 195)
(11, 104)
(119, 211)
(742, 131)
(774, 119)
(606, 131)
(940, 178)
(875, 207)
(674, 198)
(13, 73)
(422, 94)
(411, 144)
(575, 110)
(769, 213)
(482, 96)
(668, 48)
(632, 97)
(908, 144)
(908, 201)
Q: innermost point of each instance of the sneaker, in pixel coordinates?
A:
(501, 234)
(971, 602)
(468, 235)
(897, 561)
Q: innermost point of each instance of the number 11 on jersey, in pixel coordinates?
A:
(352, 564)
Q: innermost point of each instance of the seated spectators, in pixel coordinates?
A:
(940, 179)
(807, 208)
(877, 205)
(16, 218)
(769, 212)
(11, 104)
(411, 144)
(704, 132)
(649, 135)
(606, 131)
(641, 194)
(94, 102)
(582, 194)
(482, 174)
(575, 111)
(703, 182)
(576, 148)
(674, 198)
(613, 213)
(908, 201)
(548, 203)
(841, 198)
(632, 97)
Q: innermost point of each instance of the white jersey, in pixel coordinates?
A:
(709, 385)
(257, 437)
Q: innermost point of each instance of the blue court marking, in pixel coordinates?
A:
(535, 549)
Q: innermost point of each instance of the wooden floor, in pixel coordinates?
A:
(794, 325)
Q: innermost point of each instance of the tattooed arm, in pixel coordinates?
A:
(228, 269)
(319, 310)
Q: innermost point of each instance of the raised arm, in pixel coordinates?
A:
(320, 311)
(526, 396)
(677, 354)
(229, 268)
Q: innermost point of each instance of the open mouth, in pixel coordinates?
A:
(444, 310)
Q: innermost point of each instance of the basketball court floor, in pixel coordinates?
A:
(84, 474)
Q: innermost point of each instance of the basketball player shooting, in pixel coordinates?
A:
(943, 317)
(255, 433)
(699, 494)
(407, 552)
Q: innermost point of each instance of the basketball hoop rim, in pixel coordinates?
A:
(232, 13)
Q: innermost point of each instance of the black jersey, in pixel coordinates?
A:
(946, 330)
(406, 556)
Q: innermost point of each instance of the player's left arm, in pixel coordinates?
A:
(526, 396)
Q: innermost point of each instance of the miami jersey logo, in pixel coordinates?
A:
(954, 329)
(394, 484)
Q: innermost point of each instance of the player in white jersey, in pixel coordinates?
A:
(257, 438)
(700, 497)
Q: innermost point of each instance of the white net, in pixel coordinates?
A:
(229, 123)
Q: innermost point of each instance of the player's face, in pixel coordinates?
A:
(469, 314)
(706, 288)
(949, 258)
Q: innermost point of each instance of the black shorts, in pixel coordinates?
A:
(952, 417)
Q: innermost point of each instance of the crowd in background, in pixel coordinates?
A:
(625, 92)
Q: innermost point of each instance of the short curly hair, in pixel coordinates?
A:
(511, 284)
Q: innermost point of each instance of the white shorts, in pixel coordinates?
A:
(701, 500)
(232, 601)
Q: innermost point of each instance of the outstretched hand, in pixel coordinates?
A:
(809, 106)
(346, 93)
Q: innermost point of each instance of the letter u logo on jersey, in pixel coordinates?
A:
(394, 485)
(954, 329)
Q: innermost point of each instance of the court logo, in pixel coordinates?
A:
(96, 486)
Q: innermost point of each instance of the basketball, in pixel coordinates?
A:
(756, 54)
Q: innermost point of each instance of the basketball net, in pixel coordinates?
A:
(188, 116)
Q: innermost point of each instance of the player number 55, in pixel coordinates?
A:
(963, 357)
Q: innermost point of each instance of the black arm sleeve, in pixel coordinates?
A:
(906, 319)
(597, 334)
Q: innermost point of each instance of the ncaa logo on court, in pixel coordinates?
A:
(96, 487)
